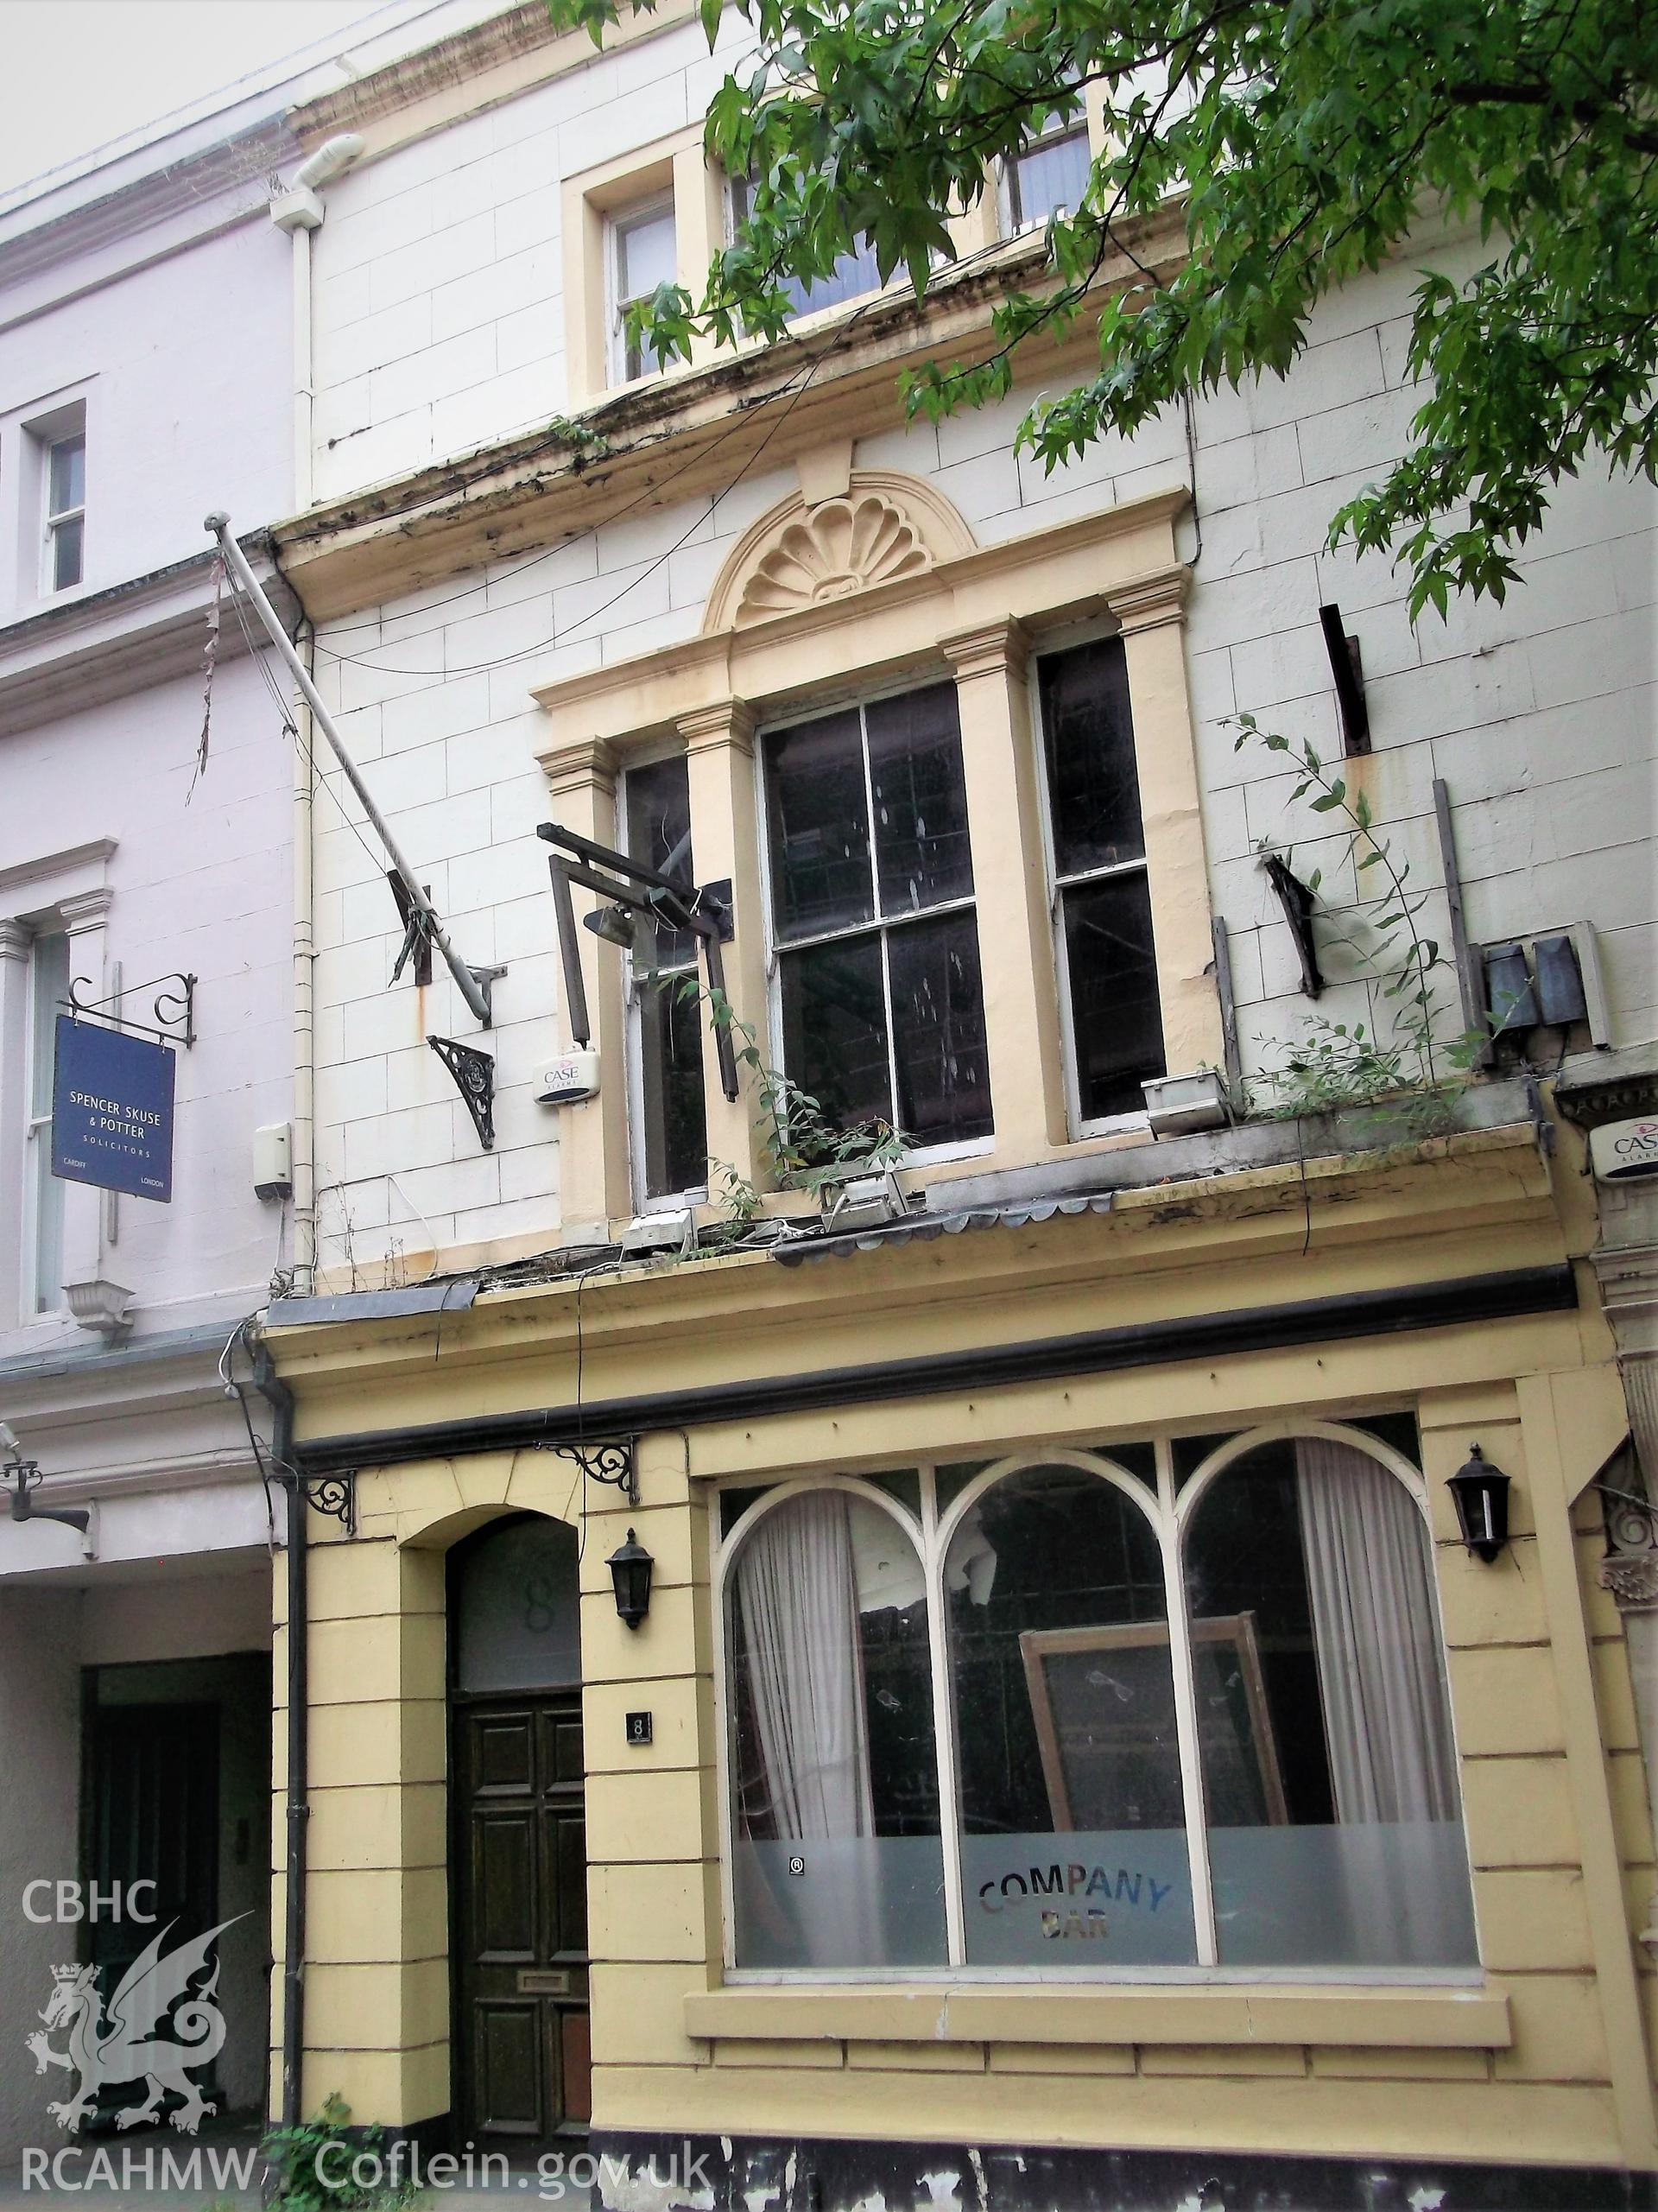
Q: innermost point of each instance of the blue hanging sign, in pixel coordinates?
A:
(112, 1111)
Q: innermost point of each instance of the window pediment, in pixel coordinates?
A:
(884, 529)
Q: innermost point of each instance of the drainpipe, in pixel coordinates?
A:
(298, 1806)
(299, 212)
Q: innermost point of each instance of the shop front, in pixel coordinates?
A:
(1072, 1752)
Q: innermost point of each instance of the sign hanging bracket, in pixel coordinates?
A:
(174, 1012)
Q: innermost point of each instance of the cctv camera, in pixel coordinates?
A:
(7, 1436)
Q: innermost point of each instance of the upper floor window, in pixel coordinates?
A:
(1101, 897)
(65, 484)
(664, 1023)
(1050, 175)
(48, 984)
(1191, 1715)
(853, 275)
(873, 924)
(643, 256)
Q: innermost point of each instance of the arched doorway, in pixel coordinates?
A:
(518, 1854)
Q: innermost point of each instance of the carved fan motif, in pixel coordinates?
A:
(843, 546)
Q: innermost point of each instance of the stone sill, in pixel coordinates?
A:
(1384, 2017)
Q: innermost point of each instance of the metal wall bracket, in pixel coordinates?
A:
(1297, 903)
(611, 1461)
(1348, 669)
(174, 1012)
(417, 931)
(474, 1075)
(335, 1495)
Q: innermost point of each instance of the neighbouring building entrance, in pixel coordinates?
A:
(518, 1844)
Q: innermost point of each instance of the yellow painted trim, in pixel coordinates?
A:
(1390, 2018)
(1560, 1416)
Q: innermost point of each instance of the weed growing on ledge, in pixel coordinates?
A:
(1332, 1065)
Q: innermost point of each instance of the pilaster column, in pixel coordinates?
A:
(15, 942)
(593, 1180)
(725, 845)
(83, 915)
(1150, 611)
(1015, 934)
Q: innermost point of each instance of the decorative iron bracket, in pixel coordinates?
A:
(474, 1074)
(335, 1495)
(174, 1012)
(611, 1461)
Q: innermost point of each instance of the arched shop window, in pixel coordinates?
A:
(834, 1790)
(1192, 1713)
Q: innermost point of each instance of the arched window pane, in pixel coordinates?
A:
(1330, 1780)
(836, 1857)
(517, 1609)
(1073, 1836)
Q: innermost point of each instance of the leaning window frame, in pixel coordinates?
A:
(1111, 1125)
(802, 315)
(627, 215)
(1012, 224)
(855, 699)
(1168, 1510)
(633, 1051)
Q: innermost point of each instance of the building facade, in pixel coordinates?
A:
(1069, 1750)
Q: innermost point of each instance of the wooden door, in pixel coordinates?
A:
(521, 2050)
(152, 1816)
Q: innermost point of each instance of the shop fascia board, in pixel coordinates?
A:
(519, 495)
(1387, 2018)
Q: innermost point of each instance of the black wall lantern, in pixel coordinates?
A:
(631, 1565)
(1482, 1494)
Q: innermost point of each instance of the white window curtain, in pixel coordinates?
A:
(1370, 1572)
(798, 1591)
(797, 1595)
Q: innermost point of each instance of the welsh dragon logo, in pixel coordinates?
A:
(159, 2031)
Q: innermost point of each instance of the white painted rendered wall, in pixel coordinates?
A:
(200, 884)
(1537, 714)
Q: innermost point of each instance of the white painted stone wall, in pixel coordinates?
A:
(1537, 714)
(439, 272)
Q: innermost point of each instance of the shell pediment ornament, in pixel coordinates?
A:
(882, 529)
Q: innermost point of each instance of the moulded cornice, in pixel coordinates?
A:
(999, 649)
(117, 640)
(577, 767)
(1148, 602)
(727, 722)
(707, 423)
(460, 75)
(41, 867)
